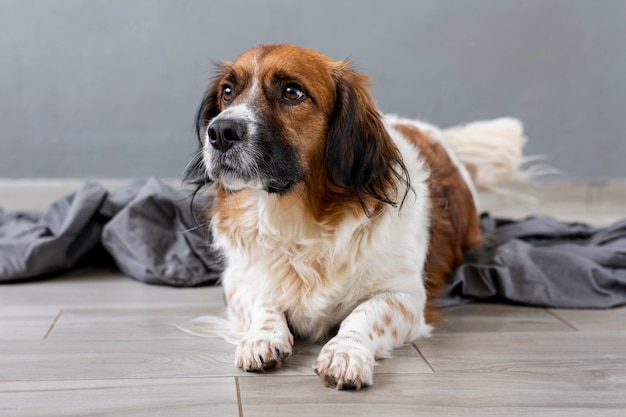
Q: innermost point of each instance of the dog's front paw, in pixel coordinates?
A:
(262, 350)
(344, 363)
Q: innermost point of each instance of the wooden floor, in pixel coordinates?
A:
(94, 342)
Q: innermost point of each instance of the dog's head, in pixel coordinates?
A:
(282, 118)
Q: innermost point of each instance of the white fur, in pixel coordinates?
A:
(315, 278)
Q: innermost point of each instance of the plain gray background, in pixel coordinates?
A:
(109, 88)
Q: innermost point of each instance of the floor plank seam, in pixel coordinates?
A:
(114, 379)
(239, 406)
(567, 323)
(56, 319)
(424, 358)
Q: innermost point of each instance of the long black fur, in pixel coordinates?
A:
(195, 173)
(355, 152)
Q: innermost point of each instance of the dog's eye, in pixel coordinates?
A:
(292, 92)
(227, 94)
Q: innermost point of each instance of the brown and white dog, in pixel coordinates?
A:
(335, 221)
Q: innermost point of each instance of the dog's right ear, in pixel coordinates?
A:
(209, 107)
(195, 173)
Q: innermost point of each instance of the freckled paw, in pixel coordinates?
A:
(262, 354)
(345, 366)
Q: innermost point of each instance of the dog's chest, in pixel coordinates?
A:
(310, 273)
(312, 265)
(312, 286)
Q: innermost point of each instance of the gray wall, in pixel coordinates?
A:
(95, 88)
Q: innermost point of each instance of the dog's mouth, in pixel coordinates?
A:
(278, 187)
(234, 181)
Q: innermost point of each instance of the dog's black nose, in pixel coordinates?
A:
(223, 133)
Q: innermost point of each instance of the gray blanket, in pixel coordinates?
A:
(147, 229)
(155, 234)
(543, 262)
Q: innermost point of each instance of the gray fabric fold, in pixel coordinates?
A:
(544, 262)
(147, 228)
(154, 238)
(33, 244)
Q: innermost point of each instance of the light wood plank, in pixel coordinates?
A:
(594, 320)
(103, 288)
(466, 394)
(481, 317)
(153, 397)
(542, 353)
(128, 323)
(140, 359)
(26, 322)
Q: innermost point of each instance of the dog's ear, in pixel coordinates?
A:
(209, 107)
(359, 154)
(195, 173)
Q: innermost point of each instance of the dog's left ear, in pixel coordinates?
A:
(360, 155)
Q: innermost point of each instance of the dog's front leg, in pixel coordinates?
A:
(267, 341)
(371, 331)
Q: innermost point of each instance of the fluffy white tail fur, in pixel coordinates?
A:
(491, 151)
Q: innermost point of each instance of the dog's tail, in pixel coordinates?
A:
(492, 152)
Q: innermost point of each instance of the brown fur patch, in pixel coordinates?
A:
(379, 330)
(455, 223)
(400, 308)
(394, 334)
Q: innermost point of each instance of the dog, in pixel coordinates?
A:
(335, 221)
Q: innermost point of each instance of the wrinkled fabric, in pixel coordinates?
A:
(35, 244)
(147, 229)
(543, 262)
(155, 234)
